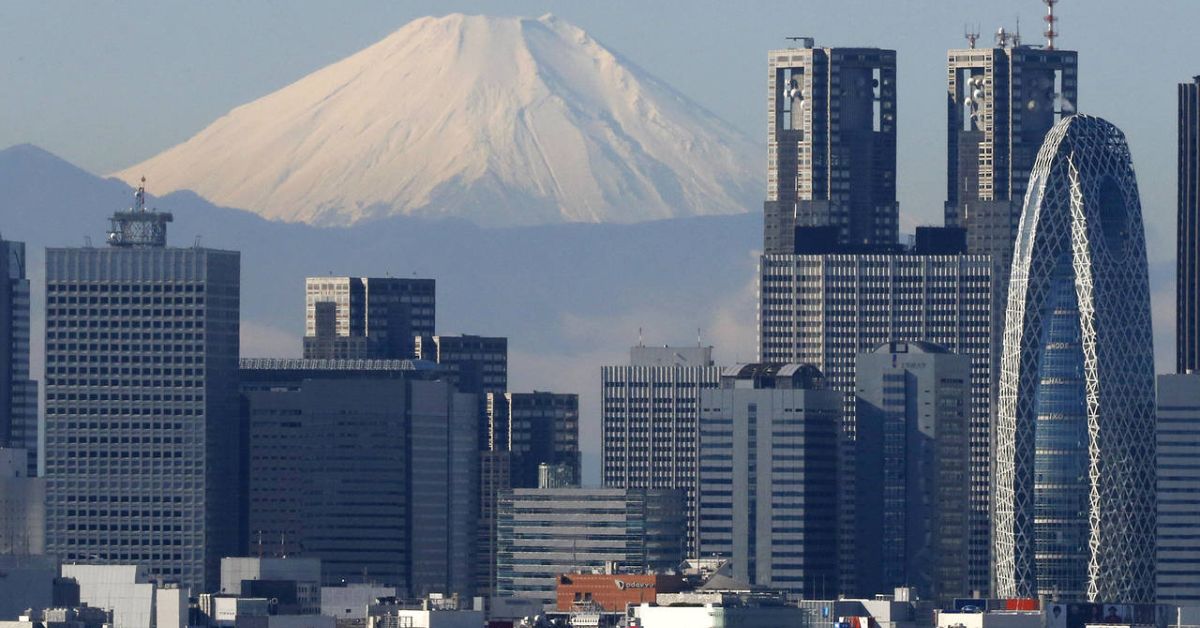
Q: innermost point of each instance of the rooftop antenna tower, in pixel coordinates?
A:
(139, 227)
(972, 36)
(1051, 32)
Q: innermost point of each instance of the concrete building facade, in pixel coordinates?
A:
(767, 496)
(648, 410)
(831, 145)
(142, 435)
(1178, 478)
(543, 533)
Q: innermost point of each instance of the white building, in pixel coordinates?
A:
(351, 601)
(129, 593)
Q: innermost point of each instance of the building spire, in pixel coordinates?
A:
(1051, 33)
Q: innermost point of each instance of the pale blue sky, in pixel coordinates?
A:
(106, 84)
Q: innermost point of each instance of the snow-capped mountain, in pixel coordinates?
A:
(502, 121)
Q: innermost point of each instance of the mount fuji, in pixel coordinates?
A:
(500, 121)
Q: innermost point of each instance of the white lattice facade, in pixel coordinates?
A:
(1075, 478)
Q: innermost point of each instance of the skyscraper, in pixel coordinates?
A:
(912, 464)
(1001, 102)
(831, 145)
(824, 310)
(368, 465)
(142, 439)
(1178, 451)
(18, 393)
(366, 317)
(768, 476)
(1187, 278)
(649, 409)
(1075, 478)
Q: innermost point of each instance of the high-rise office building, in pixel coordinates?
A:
(768, 477)
(535, 428)
(366, 317)
(368, 465)
(649, 410)
(912, 463)
(142, 437)
(831, 145)
(544, 533)
(1001, 101)
(1187, 278)
(18, 393)
(826, 309)
(1075, 503)
(1178, 480)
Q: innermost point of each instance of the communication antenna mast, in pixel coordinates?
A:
(972, 36)
(1051, 32)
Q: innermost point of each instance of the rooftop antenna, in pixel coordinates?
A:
(971, 35)
(1016, 36)
(698, 344)
(640, 342)
(1051, 32)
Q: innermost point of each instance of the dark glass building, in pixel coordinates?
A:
(1187, 339)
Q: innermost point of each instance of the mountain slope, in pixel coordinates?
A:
(503, 121)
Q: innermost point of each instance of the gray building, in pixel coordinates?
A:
(142, 435)
(1001, 102)
(368, 465)
(22, 506)
(826, 309)
(912, 465)
(831, 145)
(768, 476)
(1187, 277)
(366, 317)
(18, 393)
(1178, 462)
(543, 533)
(649, 409)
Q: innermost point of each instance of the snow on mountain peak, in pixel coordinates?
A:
(502, 121)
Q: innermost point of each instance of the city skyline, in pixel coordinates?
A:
(406, 356)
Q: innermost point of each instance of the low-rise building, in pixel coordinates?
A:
(543, 533)
(349, 603)
(294, 583)
(128, 592)
(716, 610)
(613, 592)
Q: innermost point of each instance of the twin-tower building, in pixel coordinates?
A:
(1038, 277)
